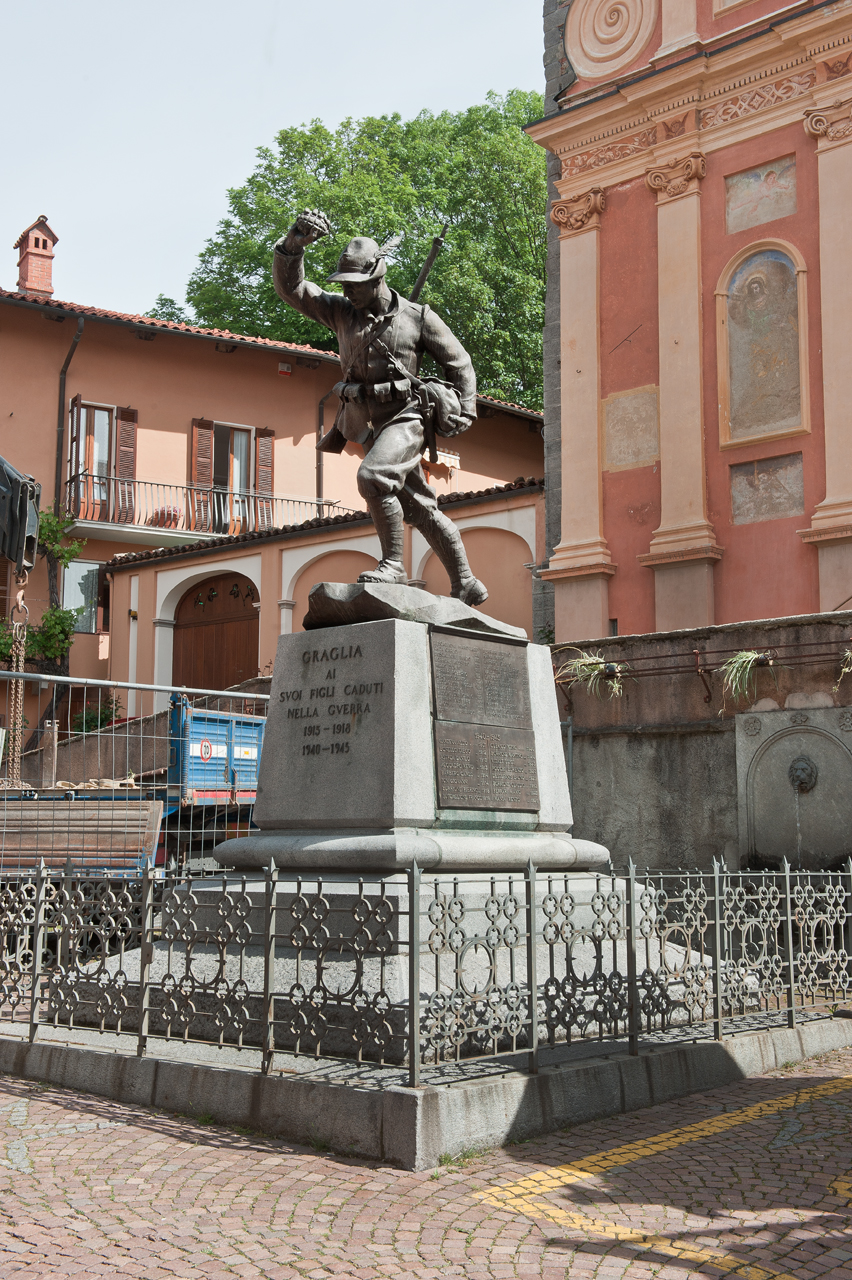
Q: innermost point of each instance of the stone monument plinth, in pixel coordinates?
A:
(402, 740)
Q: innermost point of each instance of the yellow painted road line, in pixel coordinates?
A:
(524, 1196)
(643, 1242)
(587, 1166)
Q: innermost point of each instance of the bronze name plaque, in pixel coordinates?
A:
(484, 743)
(480, 681)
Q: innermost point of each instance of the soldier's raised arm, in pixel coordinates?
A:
(288, 271)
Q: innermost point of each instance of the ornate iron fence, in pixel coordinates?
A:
(420, 970)
(181, 509)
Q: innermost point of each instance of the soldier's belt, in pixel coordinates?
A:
(400, 389)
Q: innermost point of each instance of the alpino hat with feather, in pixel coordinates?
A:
(363, 259)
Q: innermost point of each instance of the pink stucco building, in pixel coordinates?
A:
(183, 454)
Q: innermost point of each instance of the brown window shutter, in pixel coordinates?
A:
(75, 435)
(126, 443)
(202, 472)
(125, 468)
(75, 494)
(264, 440)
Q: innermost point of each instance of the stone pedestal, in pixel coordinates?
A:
(395, 741)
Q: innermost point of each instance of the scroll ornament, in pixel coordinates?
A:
(825, 123)
(602, 36)
(680, 176)
(578, 212)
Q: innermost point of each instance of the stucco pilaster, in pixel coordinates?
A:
(581, 563)
(680, 27)
(685, 536)
(831, 523)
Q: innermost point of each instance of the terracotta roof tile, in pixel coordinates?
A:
(509, 404)
(148, 322)
(222, 335)
(349, 517)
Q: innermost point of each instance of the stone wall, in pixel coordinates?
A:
(655, 771)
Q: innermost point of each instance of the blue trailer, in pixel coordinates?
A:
(213, 755)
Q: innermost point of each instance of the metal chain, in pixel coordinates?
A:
(16, 709)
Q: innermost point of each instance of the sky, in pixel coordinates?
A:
(126, 123)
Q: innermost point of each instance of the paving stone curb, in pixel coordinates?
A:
(413, 1128)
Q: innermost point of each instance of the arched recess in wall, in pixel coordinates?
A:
(498, 558)
(762, 344)
(216, 631)
(335, 566)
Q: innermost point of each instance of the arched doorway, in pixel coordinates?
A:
(216, 633)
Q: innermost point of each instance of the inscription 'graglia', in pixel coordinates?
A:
(338, 654)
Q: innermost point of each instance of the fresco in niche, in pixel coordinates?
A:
(760, 195)
(768, 489)
(763, 346)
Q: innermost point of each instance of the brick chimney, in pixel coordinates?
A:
(35, 258)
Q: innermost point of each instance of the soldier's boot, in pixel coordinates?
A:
(387, 517)
(445, 540)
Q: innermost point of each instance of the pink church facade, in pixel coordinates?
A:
(697, 371)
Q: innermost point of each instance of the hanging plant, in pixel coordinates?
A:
(594, 673)
(739, 673)
(845, 668)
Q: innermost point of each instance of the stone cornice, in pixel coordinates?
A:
(599, 569)
(677, 178)
(617, 135)
(578, 213)
(708, 552)
(832, 533)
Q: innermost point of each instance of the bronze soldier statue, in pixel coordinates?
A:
(384, 404)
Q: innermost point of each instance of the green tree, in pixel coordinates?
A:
(167, 309)
(53, 544)
(475, 169)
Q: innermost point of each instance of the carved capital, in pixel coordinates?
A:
(678, 178)
(579, 213)
(833, 123)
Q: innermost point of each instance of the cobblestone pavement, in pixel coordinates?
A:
(753, 1181)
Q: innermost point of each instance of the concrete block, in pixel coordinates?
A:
(413, 1128)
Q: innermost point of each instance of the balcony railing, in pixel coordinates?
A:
(186, 508)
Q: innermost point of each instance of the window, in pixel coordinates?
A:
(101, 462)
(80, 592)
(232, 476)
(762, 345)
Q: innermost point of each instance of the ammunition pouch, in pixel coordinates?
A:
(444, 405)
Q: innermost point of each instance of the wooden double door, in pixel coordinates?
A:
(216, 633)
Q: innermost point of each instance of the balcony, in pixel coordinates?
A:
(168, 515)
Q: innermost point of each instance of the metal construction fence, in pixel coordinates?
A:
(106, 776)
(421, 971)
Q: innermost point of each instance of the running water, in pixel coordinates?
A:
(798, 829)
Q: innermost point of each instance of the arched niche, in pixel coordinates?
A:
(216, 631)
(334, 566)
(809, 828)
(497, 557)
(762, 344)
